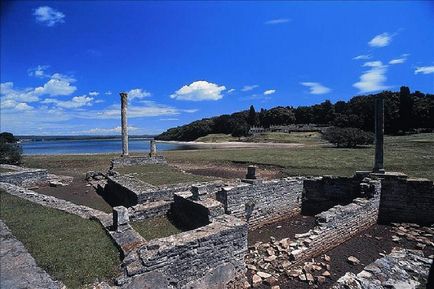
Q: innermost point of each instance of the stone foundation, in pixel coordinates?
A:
(406, 200)
(400, 269)
(23, 176)
(133, 161)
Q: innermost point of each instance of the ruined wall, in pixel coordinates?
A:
(148, 210)
(23, 176)
(322, 193)
(335, 226)
(129, 191)
(262, 202)
(133, 161)
(406, 200)
(206, 257)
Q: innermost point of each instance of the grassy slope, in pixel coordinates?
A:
(161, 174)
(295, 137)
(71, 249)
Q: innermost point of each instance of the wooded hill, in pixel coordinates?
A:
(403, 111)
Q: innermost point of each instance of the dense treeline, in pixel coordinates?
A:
(403, 111)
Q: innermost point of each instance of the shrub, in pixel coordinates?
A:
(348, 137)
(10, 150)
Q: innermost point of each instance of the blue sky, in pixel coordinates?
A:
(64, 63)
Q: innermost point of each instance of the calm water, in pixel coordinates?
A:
(57, 147)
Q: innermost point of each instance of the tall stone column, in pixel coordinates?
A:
(379, 134)
(153, 148)
(124, 105)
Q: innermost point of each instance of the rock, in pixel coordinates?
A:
(309, 277)
(293, 273)
(251, 267)
(275, 287)
(326, 274)
(320, 279)
(316, 267)
(270, 258)
(298, 236)
(353, 260)
(420, 246)
(395, 238)
(256, 280)
(271, 281)
(272, 239)
(278, 227)
(302, 277)
(270, 252)
(55, 184)
(327, 258)
(263, 274)
(284, 243)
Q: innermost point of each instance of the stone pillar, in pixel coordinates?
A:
(153, 148)
(120, 218)
(124, 105)
(251, 173)
(379, 134)
(197, 191)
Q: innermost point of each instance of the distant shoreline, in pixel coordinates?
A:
(233, 144)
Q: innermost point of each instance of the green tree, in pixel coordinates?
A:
(10, 150)
(252, 119)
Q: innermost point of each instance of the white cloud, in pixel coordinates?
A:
(75, 102)
(169, 119)
(38, 71)
(362, 57)
(231, 90)
(23, 106)
(59, 84)
(7, 91)
(424, 69)
(48, 16)
(199, 91)
(249, 87)
(277, 21)
(116, 130)
(373, 79)
(381, 40)
(138, 93)
(94, 93)
(316, 87)
(270, 91)
(399, 60)
(10, 104)
(108, 93)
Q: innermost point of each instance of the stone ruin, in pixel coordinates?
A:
(219, 215)
(126, 159)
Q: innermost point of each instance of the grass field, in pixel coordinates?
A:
(161, 174)
(2, 170)
(277, 137)
(158, 227)
(71, 249)
(411, 154)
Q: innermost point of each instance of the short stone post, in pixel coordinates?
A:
(120, 218)
(251, 173)
(124, 105)
(198, 191)
(379, 134)
(153, 148)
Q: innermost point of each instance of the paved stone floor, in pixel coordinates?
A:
(18, 268)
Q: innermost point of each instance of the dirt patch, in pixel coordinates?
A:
(286, 228)
(78, 192)
(229, 170)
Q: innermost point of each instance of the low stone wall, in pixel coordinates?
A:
(133, 161)
(406, 200)
(322, 193)
(23, 176)
(261, 202)
(129, 191)
(334, 227)
(207, 257)
(149, 210)
(400, 269)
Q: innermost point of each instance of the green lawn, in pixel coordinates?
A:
(161, 174)
(412, 154)
(154, 228)
(71, 249)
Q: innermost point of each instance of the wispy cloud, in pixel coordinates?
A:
(38, 71)
(400, 60)
(48, 16)
(116, 130)
(75, 102)
(381, 40)
(362, 57)
(424, 70)
(372, 79)
(94, 93)
(269, 91)
(108, 93)
(277, 21)
(199, 91)
(249, 87)
(231, 90)
(316, 87)
(138, 93)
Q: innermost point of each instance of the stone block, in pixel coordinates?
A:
(120, 218)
